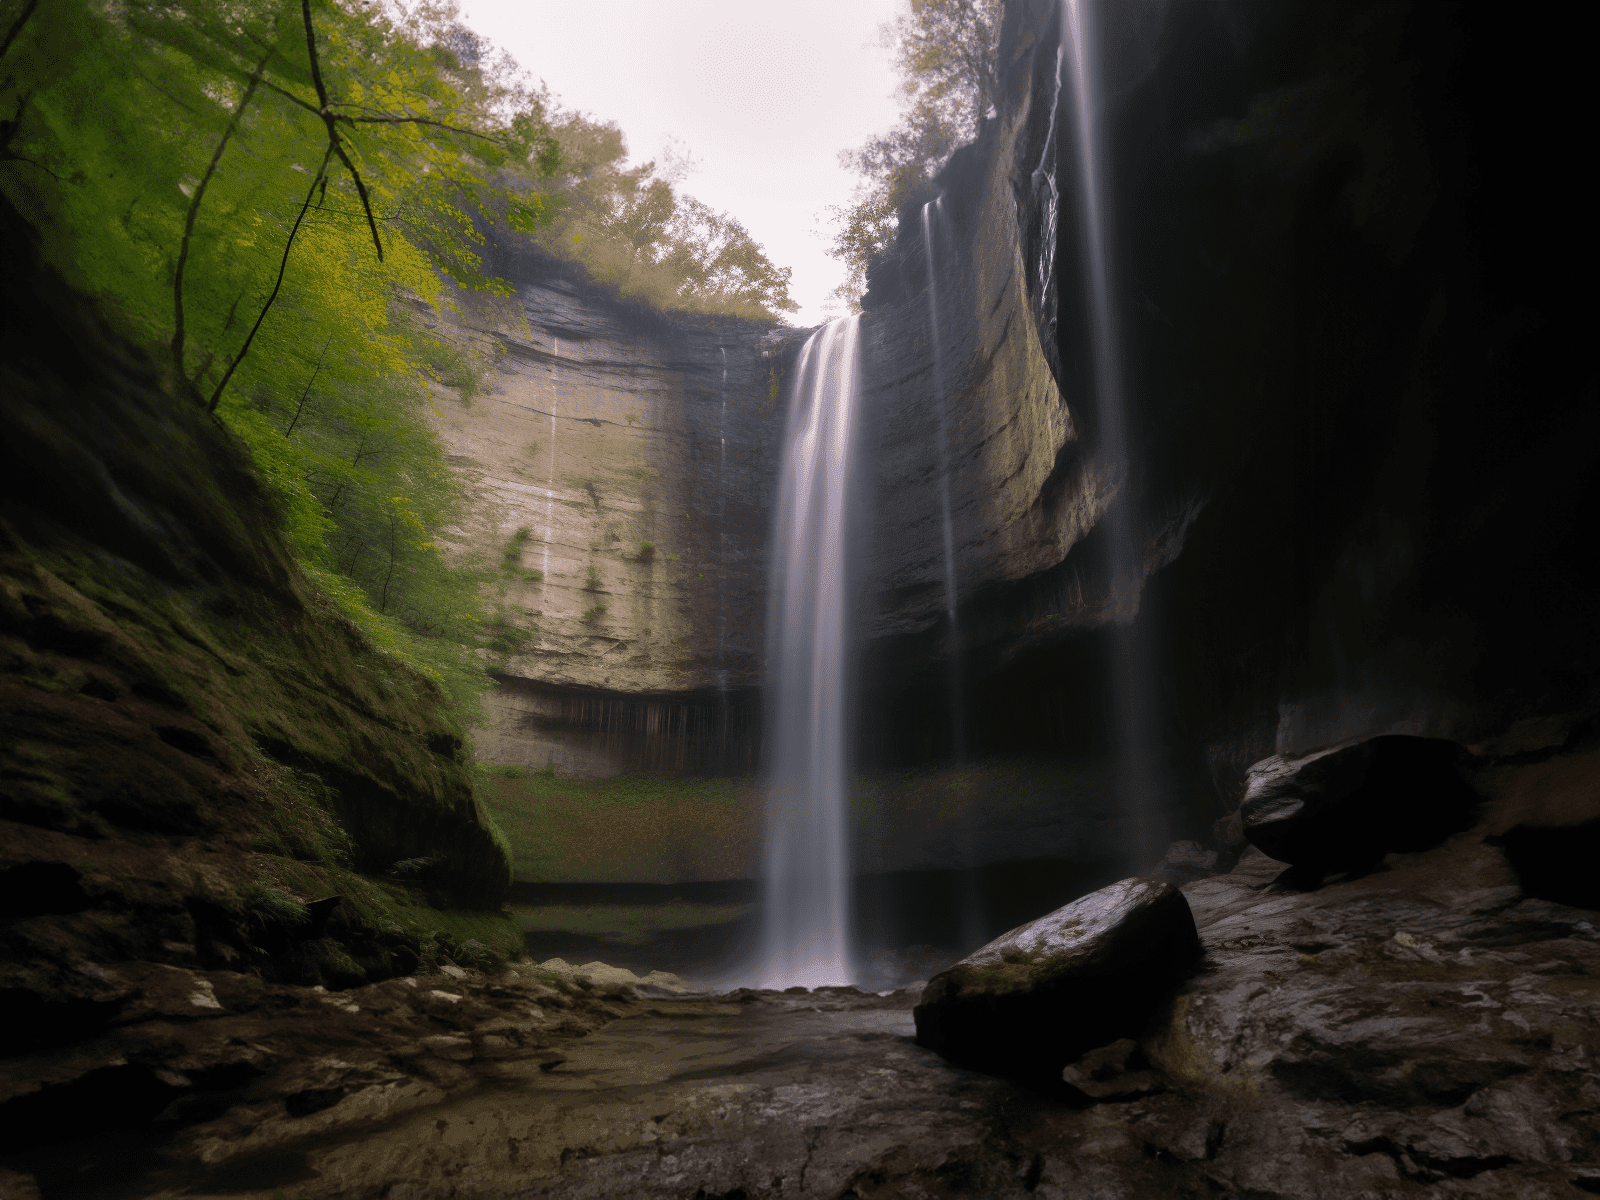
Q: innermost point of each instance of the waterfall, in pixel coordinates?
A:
(722, 569)
(958, 725)
(973, 905)
(550, 477)
(806, 938)
(1130, 673)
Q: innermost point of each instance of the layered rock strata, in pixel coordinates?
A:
(620, 465)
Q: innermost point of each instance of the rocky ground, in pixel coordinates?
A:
(1425, 1029)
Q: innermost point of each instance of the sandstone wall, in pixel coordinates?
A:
(620, 466)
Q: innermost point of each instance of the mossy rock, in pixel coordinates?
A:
(189, 717)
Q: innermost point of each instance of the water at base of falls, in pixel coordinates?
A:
(806, 931)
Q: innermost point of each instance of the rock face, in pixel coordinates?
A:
(967, 421)
(1347, 807)
(197, 743)
(1334, 423)
(621, 466)
(1081, 976)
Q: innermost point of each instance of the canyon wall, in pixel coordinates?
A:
(1360, 441)
(620, 466)
(1359, 444)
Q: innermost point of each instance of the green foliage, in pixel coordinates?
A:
(267, 907)
(647, 551)
(633, 230)
(511, 558)
(265, 194)
(944, 52)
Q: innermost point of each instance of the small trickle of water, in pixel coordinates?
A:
(550, 476)
(1133, 709)
(806, 938)
(722, 568)
(952, 607)
(972, 907)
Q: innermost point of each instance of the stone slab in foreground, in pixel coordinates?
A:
(1039, 996)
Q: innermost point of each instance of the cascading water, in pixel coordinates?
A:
(958, 725)
(972, 901)
(1105, 347)
(806, 938)
(550, 475)
(722, 569)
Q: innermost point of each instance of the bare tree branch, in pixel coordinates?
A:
(335, 144)
(194, 210)
(301, 407)
(283, 266)
(379, 118)
(16, 27)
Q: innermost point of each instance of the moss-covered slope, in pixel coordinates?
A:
(197, 744)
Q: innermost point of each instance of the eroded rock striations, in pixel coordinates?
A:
(621, 464)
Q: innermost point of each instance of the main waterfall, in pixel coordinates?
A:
(806, 938)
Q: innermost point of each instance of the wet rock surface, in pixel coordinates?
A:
(1425, 1029)
(1079, 977)
(1348, 806)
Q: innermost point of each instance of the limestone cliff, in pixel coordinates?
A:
(620, 463)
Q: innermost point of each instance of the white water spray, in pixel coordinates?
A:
(807, 889)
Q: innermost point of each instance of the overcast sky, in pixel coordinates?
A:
(763, 95)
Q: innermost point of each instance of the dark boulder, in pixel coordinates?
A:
(1087, 974)
(1343, 809)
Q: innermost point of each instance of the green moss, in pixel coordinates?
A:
(625, 827)
(204, 722)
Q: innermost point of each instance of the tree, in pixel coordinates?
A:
(632, 229)
(944, 54)
(261, 193)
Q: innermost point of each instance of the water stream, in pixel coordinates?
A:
(550, 477)
(806, 938)
(972, 905)
(1137, 775)
(958, 725)
(722, 569)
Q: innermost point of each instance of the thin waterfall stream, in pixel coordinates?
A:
(806, 935)
(1133, 716)
(722, 569)
(972, 905)
(930, 212)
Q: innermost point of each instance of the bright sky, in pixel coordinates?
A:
(762, 94)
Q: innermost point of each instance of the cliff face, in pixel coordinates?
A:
(1349, 389)
(1359, 437)
(966, 424)
(622, 465)
(197, 743)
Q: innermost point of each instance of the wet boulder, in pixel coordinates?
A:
(1343, 809)
(1087, 974)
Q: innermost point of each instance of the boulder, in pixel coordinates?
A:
(1087, 974)
(1345, 808)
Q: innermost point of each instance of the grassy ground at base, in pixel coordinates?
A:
(626, 829)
